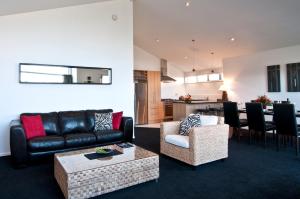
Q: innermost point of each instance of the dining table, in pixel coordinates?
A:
(268, 112)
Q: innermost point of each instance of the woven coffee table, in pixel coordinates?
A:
(79, 177)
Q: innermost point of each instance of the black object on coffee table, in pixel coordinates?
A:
(93, 156)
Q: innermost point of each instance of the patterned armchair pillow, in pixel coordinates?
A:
(103, 121)
(188, 123)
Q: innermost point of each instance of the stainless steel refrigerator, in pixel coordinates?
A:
(141, 102)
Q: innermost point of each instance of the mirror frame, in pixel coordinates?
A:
(66, 66)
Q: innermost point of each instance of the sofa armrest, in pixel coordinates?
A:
(213, 135)
(208, 143)
(127, 128)
(199, 135)
(18, 144)
(169, 128)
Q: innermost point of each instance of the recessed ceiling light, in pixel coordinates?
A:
(186, 57)
(187, 4)
(232, 39)
(157, 40)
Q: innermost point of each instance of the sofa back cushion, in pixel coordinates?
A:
(50, 122)
(90, 115)
(72, 122)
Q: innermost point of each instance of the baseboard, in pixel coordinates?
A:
(4, 154)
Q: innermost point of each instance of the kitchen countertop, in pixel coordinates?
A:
(196, 102)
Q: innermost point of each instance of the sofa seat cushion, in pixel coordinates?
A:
(178, 140)
(106, 136)
(51, 142)
(79, 139)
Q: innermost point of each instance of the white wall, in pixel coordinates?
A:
(82, 35)
(247, 75)
(145, 61)
(173, 90)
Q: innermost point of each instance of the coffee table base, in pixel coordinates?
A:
(98, 181)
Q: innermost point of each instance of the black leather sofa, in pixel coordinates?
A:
(65, 131)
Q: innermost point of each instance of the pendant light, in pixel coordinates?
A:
(194, 51)
(212, 59)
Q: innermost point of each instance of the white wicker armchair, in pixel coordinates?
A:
(206, 143)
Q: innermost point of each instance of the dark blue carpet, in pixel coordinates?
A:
(250, 172)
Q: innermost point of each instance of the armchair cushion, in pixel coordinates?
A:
(178, 140)
(208, 120)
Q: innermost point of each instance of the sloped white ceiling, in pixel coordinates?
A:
(8, 7)
(257, 25)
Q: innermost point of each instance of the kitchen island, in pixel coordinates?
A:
(182, 109)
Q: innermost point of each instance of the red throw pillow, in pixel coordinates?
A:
(116, 120)
(33, 126)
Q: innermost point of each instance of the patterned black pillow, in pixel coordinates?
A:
(188, 123)
(103, 121)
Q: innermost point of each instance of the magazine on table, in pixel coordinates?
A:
(125, 145)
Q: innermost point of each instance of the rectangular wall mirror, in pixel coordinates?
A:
(60, 74)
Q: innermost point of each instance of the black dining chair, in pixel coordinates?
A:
(231, 117)
(286, 123)
(257, 122)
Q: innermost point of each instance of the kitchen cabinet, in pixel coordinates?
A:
(293, 77)
(181, 110)
(155, 106)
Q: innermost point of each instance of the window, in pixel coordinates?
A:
(202, 78)
(214, 77)
(191, 79)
